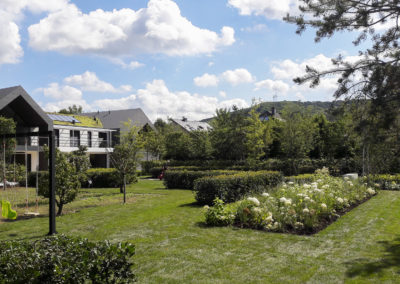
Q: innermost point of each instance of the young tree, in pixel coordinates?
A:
(126, 155)
(74, 109)
(7, 126)
(200, 145)
(67, 180)
(375, 75)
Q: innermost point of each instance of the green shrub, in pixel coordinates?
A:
(300, 179)
(185, 179)
(148, 165)
(155, 172)
(106, 178)
(62, 259)
(230, 188)
(386, 182)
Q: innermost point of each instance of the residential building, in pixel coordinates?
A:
(191, 125)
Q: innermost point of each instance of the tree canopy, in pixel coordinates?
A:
(375, 74)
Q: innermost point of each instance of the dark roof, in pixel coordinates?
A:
(16, 103)
(266, 115)
(114, 118)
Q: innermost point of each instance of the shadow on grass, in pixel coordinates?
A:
(192, 205)
(366, 267)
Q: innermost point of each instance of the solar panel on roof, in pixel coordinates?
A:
(63, 118)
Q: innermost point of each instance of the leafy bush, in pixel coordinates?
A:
(62, 259)
(300, 179)
(106, 178)
(155, 172)
(231, 188)
(292, 207)
(148, 165)
(386, 182)
(185, 179)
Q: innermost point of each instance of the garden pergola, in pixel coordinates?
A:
(31, 120)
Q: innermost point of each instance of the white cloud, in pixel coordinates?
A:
(11, 12)
(206, 80)
(130, 65)
(89, 81)
(222, 94)
(259, 28)
(158, 29)
(276, 86)
(158, 101)
(237, 76)
(211, 63)
(10, 48)
(271, 9)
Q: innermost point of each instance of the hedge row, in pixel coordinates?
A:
(146, 166)
(185, 179)
(287, 166)
(231, 188)
(105, 178)
(388, 182)
(62, 259)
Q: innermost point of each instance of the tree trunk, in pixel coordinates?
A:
(60, 208)
(124, 189)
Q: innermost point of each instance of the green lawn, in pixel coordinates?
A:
(173, 245)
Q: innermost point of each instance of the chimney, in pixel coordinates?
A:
(184, 118)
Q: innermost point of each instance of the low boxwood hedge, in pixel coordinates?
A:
(231, 188)
(386, 182)
(148, 165)
(185, 179)
(106, 178)
(62, 259)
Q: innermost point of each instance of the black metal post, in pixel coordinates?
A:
(52, 183)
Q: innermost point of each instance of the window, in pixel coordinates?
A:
(103, 139)
(57, 134)
(75, 138)
(89, 139)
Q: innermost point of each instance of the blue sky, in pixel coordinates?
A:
(171, 58)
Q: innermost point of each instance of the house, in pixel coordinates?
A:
(267, 115)
(114, 119)
(189, 126)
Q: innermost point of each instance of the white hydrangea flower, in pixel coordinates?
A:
(269, 219)
(306, 185)
(282, 199)
(323, 206)
(306, 211)
(325, 186)
(290, 183)
(340, 200)
(307, 198)
(265, 194)
(298, 225)
(288, 202)
(370, 191)
(254, 200)
(256, 210)
(206, 207)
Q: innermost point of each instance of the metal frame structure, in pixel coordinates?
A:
(16, 103)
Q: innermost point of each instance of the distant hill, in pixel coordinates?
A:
(309, 107)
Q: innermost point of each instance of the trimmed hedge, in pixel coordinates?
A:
(300, 179)
(106, 178)
(155, 172)
(231, 188)
(386, 182)
(62, 259)
(148, 165)
(185, 179)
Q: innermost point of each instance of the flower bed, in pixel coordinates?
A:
(301, 209)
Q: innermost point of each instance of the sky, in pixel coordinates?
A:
(172, 58)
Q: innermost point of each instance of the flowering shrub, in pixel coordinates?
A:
(292, 207)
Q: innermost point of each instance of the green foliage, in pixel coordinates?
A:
(389, 182)
(153, 143)
(177, 146)
(219, 215)
(125, 156)
(374, 76)
(185, 179)
(81, 162)
(148, 165)
(62, 259)
(230, 188)
(67, 181)
(74, 109)
(106, 178)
